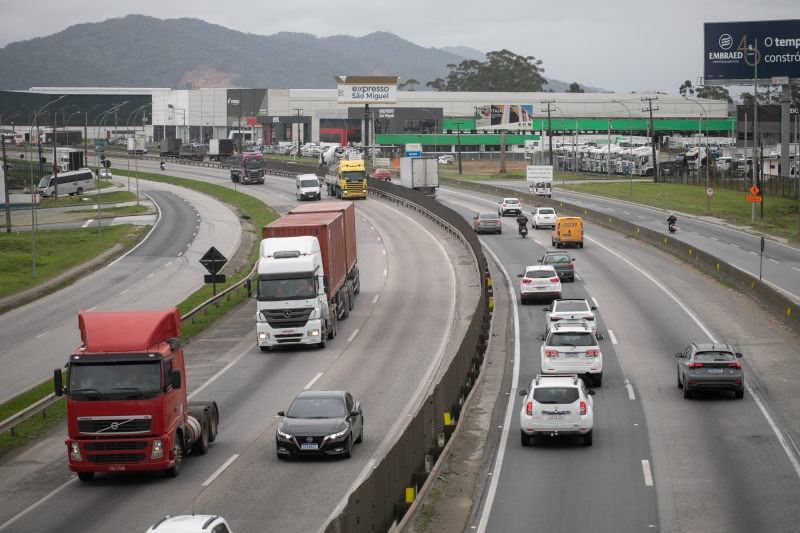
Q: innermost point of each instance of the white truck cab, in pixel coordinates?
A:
(290, 293)
(191, 524)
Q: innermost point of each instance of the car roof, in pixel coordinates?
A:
(543, 381)
(510, 198)
(539, 267)
(321, 394)
(185, 523)
(488, 213)
(713, 346)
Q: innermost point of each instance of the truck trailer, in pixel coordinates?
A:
(127, 408)
(136, 146)
(420, 174)
(307, 277)
(219, 148)
(170, 147)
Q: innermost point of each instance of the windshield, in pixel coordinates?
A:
(286, 289)
(309, 183)
(714, 356)
(546, 212)
(45, 182)
(571, 307)
(107, 379)
(540, 273)
(354, 176)
(316, 408)
(555, 394)
(571, 339)
(254, 163)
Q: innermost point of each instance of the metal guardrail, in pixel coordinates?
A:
(12, 421)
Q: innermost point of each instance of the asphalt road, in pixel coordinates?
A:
(385, 353)
(781, 264)
(162, 271)
(714, 463)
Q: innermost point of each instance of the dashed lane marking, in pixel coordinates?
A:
(648, 476)
(376, 298)
(220, 470)
(311, 383)
(353, 335)
(613, 337)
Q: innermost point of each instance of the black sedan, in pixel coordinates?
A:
(710, 366)
(320, 423)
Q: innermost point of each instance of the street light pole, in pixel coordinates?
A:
(549, 128)
(458, 126)
(630, 123)
(649, 101)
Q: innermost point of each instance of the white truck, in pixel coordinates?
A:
(66, 162)
(420, 174)
(136, 146)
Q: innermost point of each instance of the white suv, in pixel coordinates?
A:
(540, 281)
(557, 405)
(543, 217)
(573, 349)
(509, 206)
(569, 312)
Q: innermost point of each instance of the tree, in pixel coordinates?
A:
(686, 89)
(714, 92)
(411, 82)
(503, 71)
(574, 88)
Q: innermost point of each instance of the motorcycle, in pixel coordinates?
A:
(523, 230)
(672, 227)
(163, 166)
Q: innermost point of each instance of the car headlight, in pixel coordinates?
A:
(313, 333)
(263, 336)
(365, 190)
(337, 435)
(158, 450)
(284, 435)
(74, 451)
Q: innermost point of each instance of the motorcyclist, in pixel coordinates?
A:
(163, 166)
(671, 220)
(522, 221)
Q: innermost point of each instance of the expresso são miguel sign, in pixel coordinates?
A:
(746, 50)
(366, 89)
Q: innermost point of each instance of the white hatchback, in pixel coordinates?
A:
(509, 206)
(556, 405)
(572, 349)
(543, 217)
(540, 281)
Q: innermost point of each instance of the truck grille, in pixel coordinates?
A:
(114, 446)
(116, 458)
(114, 426)
(288, 337)
(277, 318)
(355, 186)
(254, 174)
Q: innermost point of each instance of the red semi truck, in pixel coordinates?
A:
(127, 408)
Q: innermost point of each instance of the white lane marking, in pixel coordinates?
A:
(774, 426)
(35, 505)
(376, 298)
(311, 383)
(498, 465)
(126, 290)
(384, 252)
(150, 276)
(221, 371)
(648, 476)
(613, 337)
(373, 229)
(753, 253)
(92, 309)
(180, 254)
(168, 264)
(798, 269)
(42, 334)
(353, 335)
(729, 244)
(379, 238)
(86, 224)
(628, 386)
(713, 239)
(774, 261)
(220, 470)
(595, 302)
(576, 276)
(384, 271)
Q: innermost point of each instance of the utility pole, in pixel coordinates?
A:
(5, 183)
(653, 131)
(55, 159)
(502, 151)
(86, 139)
(298, 109)
(608, 165)
(755, 121)
(549, 128)
(458, 126)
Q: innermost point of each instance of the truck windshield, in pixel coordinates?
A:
(254, 163)
(354, 176)
(110, 380)
(286, 289)
(45, 182)
(309, 183)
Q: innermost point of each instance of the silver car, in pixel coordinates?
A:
(710, 366)
(487, 223)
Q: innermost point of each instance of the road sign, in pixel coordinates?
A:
(214, 278)
(413, 154)
(709, 192)
(395, 162)
(756, 199)
(754, 190)
(213, 260)
(538, 172)
(382, 161)
(780, 80)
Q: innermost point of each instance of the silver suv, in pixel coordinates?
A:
(572, 349)
(570, 312)
(557, 405)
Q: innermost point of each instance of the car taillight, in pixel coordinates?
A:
(695, 365)
(570, 265)
(589, 319)
(529, 409)
(554, 319)
(479, 222)
(554, 279)
(504, 205)
(735, 365)
(593, 352)
(583, 408)
(499, 222)
(551, 352)
(526, 280)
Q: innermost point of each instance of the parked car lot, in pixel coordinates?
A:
(557, 405)
(710, 366)
(539, 282)
(572, 348)
(487, 223)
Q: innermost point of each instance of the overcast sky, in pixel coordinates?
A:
(619, 45)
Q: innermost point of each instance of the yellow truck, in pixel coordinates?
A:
(347, 180)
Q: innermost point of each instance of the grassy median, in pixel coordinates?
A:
(36, 425)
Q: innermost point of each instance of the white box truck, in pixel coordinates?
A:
(420, 174)
(136, 146)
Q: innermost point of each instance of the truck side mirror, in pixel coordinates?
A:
(176, 378)
(57, 386)
(325, 283)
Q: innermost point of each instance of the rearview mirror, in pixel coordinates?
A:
(600, 336)
(59, 389)
(573, 259)
(354, 412)
(523, 392)
(474, 218)
(594, 308)
(519, 275)
(679, 355)
(591, 392)
(739, 354)
(540, 337)
(546, 309)
(538, 260)
(176, 378)
(325, 283)
(281, 413)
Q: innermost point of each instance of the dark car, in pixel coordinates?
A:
(382, 174)
(710, 366)
(320, 423)
(562, 262)
(487, 222)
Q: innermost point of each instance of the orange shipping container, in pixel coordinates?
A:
(349, 211)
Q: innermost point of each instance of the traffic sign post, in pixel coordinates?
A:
(709, 194)
(754, 199)
(213, 260)
(761, 258)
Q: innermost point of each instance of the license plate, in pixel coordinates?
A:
(306, 446)
(571, 354)
(555, 416)
(539, 288)
(715, 371)
(116, 468)
(573, 320)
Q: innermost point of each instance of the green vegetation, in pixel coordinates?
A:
(117, 211)
(90, 199)
(502, 71)
(36, 425)
(56, 251)
(780, 214)
(248, 207)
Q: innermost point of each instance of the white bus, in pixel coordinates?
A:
(73, 182)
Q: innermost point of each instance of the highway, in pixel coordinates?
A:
(402, 329)
(161, 272)
(658, 461)
(781, 265)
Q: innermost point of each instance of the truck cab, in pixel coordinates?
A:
(249, 170)
(351, 180)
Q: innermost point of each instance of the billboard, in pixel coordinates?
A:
(735, 50)
(366, 89)
(493, 115)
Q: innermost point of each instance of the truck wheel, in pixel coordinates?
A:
(175, 469)
(213, 426)
(200, 446)
(323, 342)
(346, 305)
(85, 476)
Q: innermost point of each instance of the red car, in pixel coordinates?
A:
(382, 174)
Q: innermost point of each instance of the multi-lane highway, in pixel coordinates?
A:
(399, 333)
(658, 461)
(781, 265)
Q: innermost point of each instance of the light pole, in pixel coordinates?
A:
(136, 159)
(630, 123)
(708, 151)
(458, 126)
(550, 128)
(435, 130)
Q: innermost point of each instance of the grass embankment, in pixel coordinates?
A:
(36, 425)
(117, 211)
(246, 206)
(780, 214)
(90, 199)
(56, 252)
